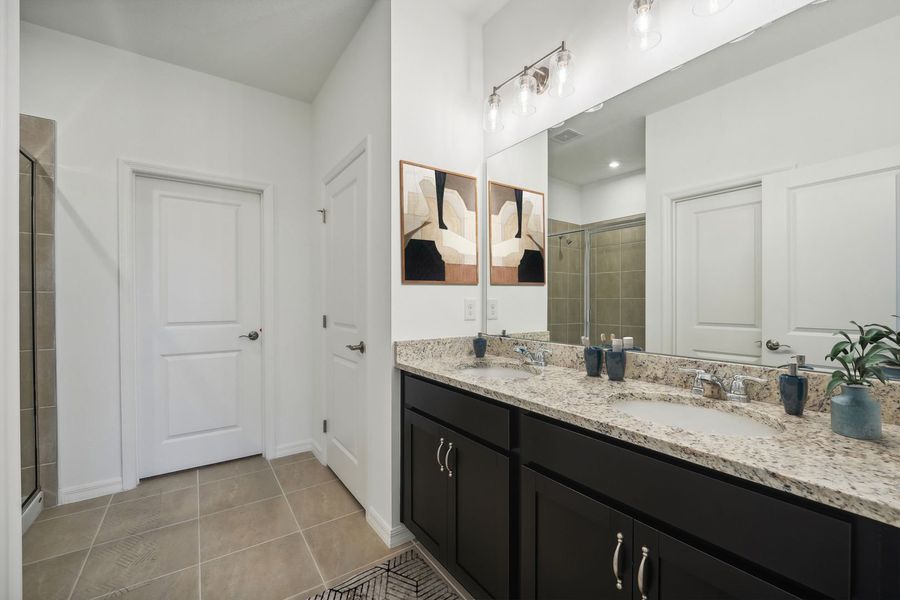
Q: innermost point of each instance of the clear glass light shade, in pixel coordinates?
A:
(493, 117)
(643, 23)
(562, 80)
(526, 92)
(707, 8)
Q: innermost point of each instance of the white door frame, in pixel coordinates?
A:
(362, 148)
(129, 170)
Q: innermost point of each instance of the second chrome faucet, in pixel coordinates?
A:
(735, 389)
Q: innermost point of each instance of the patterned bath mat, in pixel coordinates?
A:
(405, 577)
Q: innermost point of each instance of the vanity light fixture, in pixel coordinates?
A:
(493, 119)
(614, 164)
(643, 23)
(532, 81)
(708, 8)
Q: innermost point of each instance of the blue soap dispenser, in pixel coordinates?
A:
(794, 387)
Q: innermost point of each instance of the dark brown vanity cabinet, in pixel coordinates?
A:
(526, 506)
(456, 497)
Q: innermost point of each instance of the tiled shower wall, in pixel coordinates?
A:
(38, 138)
(618, 282)
(565, 306)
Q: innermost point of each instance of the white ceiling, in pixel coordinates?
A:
(284, 46)
(617, 131)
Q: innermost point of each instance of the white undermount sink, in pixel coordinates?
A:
(497, 372)
(698, 419)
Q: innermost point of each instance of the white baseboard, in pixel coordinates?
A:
(86, 491)
(391, 536)
(298, 447)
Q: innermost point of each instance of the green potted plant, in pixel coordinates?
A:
(891, 367)
(854, 413)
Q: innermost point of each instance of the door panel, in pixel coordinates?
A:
(346, 196)
(814, 219)
(568, 543)
(479, 550)
(197, 260)
(717, 278)
(426, 485)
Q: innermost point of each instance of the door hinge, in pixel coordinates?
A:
(324, 212)
(325, 426)
(324, 321)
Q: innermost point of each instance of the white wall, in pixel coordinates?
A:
(563, 201)
(520, 308)
(355, 105)
(525, 30)
(435, 120)
(834, 101)
(111, 104)
(623, 196)
(10, 451)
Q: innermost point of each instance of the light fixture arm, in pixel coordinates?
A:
(528, 68)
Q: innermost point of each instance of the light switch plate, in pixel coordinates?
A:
(492, 309)
(469, 309)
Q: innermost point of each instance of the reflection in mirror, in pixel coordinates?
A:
(743, 207)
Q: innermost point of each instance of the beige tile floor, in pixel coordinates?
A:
(246, 529)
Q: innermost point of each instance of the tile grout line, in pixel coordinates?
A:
(88, 553)
(199, 572)
(133, 586)
(361, 510)
(297, 523)
(332, 480)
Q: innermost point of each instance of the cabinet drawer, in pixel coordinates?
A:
(805, 546)
(472, 415)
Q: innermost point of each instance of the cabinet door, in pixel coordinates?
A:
(673, 570)
(479, 540)
(425, 481)
(570, 543)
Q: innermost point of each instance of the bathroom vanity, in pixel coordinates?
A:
(567, 496)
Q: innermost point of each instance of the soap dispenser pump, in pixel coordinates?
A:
(794, 387)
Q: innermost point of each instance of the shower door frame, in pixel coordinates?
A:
(34, 503)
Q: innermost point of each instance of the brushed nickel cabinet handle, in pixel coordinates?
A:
(640, 574)
(619, 539)
(437, 456)
(447, 459)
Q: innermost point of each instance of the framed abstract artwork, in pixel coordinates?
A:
(438, 226)
(517, 239)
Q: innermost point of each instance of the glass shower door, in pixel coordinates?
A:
(28, 393)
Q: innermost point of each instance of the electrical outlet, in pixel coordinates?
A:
(469, 309)
(492, 309)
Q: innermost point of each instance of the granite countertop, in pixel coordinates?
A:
(805, 458)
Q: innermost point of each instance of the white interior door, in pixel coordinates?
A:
(717, 276)
(831, 251)
(197, 267)
(346, 197)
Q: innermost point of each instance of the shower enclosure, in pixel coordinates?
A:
(597, 280)
(28, 401)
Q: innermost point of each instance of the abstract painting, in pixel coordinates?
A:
(438, 225)
(516, 235)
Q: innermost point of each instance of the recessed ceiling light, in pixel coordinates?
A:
(614, 164)
(595, 108)
(558, 125)
(743, 37)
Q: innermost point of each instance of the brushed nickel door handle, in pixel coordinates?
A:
(437, 456)
(252, 336)
(360, 347)
(616, 561)
(774, 345)
(640, 574)
(447, 459)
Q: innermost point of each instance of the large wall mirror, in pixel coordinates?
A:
(742, 207)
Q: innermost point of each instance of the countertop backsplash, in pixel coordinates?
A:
(658, 368)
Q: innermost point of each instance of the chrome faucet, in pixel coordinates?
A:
(537, 358)
(734, 390)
